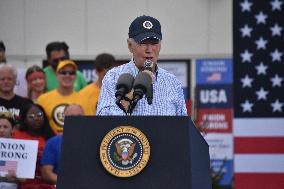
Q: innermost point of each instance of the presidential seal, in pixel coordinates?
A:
(124, 151)
(147, 24)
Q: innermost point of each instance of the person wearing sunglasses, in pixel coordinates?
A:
(55, 101)
(55, 52)
(35, 126)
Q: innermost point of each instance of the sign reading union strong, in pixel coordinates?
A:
(124, 151)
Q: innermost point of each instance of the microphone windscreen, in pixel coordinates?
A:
(125, 81)
(142, 81)
(148, 65)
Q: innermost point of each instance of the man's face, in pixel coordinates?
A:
(147, 49)
(7, 81)
(55, 56)
(66, 76)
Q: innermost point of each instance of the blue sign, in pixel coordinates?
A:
(87, 69)
(214, 96)
(214, 71)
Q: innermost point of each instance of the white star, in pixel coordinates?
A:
(276, 5)
(261, 69)
(276, 30)
(276, 81)
(246, 56)
(277, 106)
(246, 6)
(261, 18)
(246, 31)
(247, 106)
(246, 81)
(261, 43)
(276, 55)
(261, 94)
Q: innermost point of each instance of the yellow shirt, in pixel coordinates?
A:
(92, 93)
(54, 105)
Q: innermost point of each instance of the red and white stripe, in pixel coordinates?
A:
(259, 153)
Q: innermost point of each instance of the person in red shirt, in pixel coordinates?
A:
(34, 127)
(7, 124)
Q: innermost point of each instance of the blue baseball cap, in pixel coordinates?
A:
(145, 27)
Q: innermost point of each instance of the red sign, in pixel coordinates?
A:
(214, 120)
(188, 103)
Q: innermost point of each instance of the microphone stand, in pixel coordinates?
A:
(118, 103)
(137, 94)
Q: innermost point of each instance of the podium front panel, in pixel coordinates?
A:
(169, 165)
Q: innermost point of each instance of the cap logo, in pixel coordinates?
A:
(147, 24)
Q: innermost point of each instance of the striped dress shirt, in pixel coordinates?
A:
(168, 98)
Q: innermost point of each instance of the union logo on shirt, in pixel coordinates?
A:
(58, 114)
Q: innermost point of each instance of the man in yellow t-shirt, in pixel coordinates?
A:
(103, 63)
(55, 101)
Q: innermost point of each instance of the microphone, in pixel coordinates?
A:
(123, 86)
(149, 65)
(142, 85)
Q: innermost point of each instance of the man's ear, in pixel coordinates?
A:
(130, 45)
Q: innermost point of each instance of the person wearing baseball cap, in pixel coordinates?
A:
(144, 43)
(55, 101)
(55, 52)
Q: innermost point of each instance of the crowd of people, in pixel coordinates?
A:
(60, 90)
(53, 92)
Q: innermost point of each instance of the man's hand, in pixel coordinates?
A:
(126, 103)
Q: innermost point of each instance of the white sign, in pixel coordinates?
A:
(179, 69)
(220, 146)
(18, 155)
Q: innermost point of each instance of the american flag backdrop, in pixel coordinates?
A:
(258, 31)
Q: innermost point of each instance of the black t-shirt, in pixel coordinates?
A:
(15, 106)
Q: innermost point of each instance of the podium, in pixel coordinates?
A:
(179, 156)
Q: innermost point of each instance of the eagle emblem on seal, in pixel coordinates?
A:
(125, 151)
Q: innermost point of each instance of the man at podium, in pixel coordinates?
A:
(162, 94)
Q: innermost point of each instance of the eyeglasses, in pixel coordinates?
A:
(67, 72)
(33, 116)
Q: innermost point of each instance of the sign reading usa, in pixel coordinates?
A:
(214, 71)
(214, 96)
